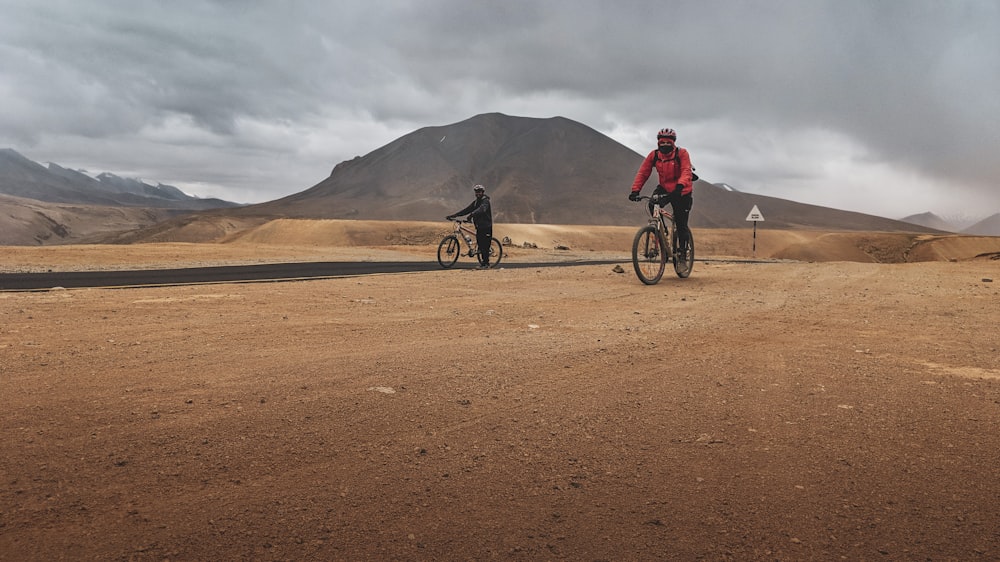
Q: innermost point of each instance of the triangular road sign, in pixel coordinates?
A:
(755, 215)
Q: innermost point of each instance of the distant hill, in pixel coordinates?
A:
(25, 178)
(990, 226)
(55, 205)
(930, 220)
(537, 171)
(30, 222)
(547, 171)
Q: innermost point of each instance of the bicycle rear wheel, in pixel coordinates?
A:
(648, 255)
(683, 266)
(496, 253)
(448, 251)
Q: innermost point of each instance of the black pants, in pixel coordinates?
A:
(681, 206)
(484, 236)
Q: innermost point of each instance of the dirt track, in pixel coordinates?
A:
(780, 411)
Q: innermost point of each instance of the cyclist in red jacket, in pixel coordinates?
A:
(673, 164)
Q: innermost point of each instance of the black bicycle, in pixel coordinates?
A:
(450, 248)
(650, 250)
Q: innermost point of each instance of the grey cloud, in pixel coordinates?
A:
(911, 84)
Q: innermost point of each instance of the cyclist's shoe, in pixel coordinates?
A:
(483, 266)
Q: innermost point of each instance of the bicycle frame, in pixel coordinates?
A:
(469, 236)
(663, 221)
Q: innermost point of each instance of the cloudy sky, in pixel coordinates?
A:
(890, 107)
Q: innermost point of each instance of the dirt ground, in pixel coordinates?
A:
(771, 410)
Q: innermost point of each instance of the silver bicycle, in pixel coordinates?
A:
(657, 242)
(450, 248)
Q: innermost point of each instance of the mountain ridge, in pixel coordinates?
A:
(45, 205)
(536, 170)
(25, 178)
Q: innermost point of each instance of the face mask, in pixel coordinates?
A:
(667, 149)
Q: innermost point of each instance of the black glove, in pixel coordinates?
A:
(679, 188)
(633, 196)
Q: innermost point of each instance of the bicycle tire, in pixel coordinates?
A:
(496, 253)
(648, 256)
(448, 251)
(683, 267)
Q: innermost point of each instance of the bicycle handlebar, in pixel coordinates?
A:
(653, 198)
(659, 201)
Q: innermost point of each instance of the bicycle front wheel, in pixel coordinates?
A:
(496, 253)
(684, 265)
(448, 251)
(648, 255)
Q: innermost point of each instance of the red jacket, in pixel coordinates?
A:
(666, 167)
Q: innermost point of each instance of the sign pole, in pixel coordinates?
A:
(755, 215)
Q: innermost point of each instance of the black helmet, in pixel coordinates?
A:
(479, 189)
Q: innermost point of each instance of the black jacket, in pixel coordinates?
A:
(480, 213)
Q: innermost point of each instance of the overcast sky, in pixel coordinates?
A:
(890, 107)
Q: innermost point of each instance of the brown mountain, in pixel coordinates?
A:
(537, 171)
(548, 171)
(990, 226)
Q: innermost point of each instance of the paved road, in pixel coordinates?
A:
(231, 274)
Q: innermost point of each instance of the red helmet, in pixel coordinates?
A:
(667, 133)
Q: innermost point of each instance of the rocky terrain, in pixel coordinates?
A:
(762, 409)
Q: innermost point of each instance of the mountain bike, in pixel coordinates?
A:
(650, 250)
(450, 248)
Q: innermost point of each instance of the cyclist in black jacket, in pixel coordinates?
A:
(482, 216)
